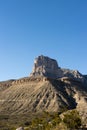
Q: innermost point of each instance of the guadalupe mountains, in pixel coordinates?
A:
(48, 88)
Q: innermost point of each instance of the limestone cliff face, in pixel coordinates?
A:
(45, 66)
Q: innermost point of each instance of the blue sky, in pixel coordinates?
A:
(54, 28)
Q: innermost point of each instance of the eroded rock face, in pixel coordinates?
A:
(73, 74)
(45, 66)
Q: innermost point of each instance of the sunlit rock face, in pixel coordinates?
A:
(45, 66)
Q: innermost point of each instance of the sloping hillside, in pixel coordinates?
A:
(42, 94)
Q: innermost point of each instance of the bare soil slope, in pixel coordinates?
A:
(42, 94)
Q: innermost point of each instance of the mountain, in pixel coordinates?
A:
(48, 88)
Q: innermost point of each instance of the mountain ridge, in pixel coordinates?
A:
(44, 90)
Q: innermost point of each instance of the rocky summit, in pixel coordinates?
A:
(48, 88)
(45, 66)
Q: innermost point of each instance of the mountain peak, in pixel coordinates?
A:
(45, 66)
(48, 67)
(49, 88)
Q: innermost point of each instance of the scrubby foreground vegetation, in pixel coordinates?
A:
(42, 121)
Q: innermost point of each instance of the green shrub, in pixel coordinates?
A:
(72, 119)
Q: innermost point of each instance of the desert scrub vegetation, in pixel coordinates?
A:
(46, 122)
(72, 120)
(42, 121)
(53, 121)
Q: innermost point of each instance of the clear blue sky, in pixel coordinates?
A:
(54, 28)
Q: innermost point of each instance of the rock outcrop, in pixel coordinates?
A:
(48, 88)
(20, 128)
(45, 66)
(74, 74)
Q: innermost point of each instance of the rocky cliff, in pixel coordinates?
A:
(45, 66)
(48, 88)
